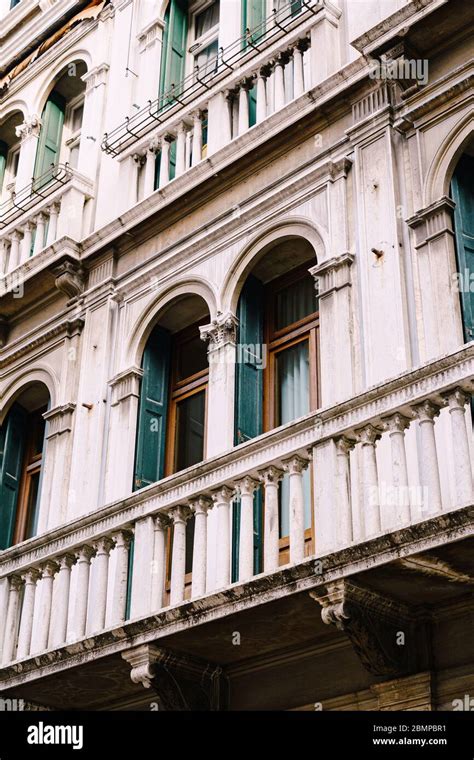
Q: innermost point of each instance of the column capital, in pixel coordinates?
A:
(180, 514)
(222, 494)
(200, 504)
(432, 220)
(31, 127)
(456, 398)
(66, 561)
(126, 384)
(16, 582)
(333, 274)
(396, 423)
(222, 330)
(162, 521)
(295, 464)
(344, 445)
(103, 545)
(85, 553)
(49, 568)
(271, 474)
(122, 538)
(367, 435)
(31, 576)
(246, 485)
(426, 411)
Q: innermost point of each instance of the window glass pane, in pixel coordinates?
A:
(206, 59)
(190, 430)
(293, 382)
(77, 117)
(295, 302)
(38, 435)
(207, 19)
(192, 357)
(32, 506)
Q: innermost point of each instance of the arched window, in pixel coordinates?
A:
(462, 191)
(9, 155)
(277, 365)
(21, 465)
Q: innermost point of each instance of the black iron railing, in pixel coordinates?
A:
(181, 94)
(39, 188)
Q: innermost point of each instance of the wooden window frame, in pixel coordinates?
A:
(32, 465)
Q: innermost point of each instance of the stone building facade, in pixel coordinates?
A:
(236, 248)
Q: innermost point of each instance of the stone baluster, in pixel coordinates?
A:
(243, 122)
(103, 547)
(39, 237)
(262, 108)
(53, 210)
(161, 526)
(83, 557)
(279, 74)
(181, 149)
(11, 625)
(150, 168)
(396, 425)
(165, 160)
(48, 571)
(222, 498)
(200, 507)
(122, 540)
(344, 532)
(271, 476)
(457, 400)
(14, 250)
(425, 414)
(295, 466)
(30, 578)
(367, 437)
(197, 138)
(26, 242)
(179, 515)
(59, 634)
(298, 82)
(246, 488)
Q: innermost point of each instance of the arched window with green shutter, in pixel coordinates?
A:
(462, 190)
(253, 19)
(173, 51)
(49, 143)
(12, 444)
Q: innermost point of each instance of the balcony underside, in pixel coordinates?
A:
(287, 655)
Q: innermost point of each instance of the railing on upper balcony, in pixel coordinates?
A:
(230, 59)
(82, 569)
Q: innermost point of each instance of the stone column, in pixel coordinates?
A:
(262, 108)
(246, 488)
(102, 547)
(294, 466)
(15, 238)
(11, 625)
(367, 437)
(165, 161)
(200, 507)
(53, 223)
(396, 425)
(142, 573)
(271, 476)
(425, 414)
(59, 632)
(181, 149)
(4, 594)
(197, 138)
(48, 571)
(279, 82)
(221, 337)
(343, 491)
(83, 557)
(298, 51)
(30, 578)
(29, 133)
(222, 498)
(26, 242)
(457, 400)
(244, 123)
(39, 237)
(122, 540)
(179, 515)
(161, 526)
(334, 285)
(150, 167)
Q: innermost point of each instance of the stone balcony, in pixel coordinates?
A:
(76, 593)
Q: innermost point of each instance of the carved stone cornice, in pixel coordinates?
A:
(126, 385)
(333, 274)
(433, 220)
(31, 127)
(96, 77)
(69, 278)
(150, 34)
(181, 682)
(373, 622)
(69, 329)
(220, 331)
(59, 419)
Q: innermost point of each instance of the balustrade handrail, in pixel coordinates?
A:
(40, 188)
(182, 93)
(401, 392)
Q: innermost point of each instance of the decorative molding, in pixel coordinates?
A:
(372, 622)
(414, 692)
(333, 274)
(220, 331)
(432, 221)
(371, 103)
(150, 34)
(59, 419)
(70, 278)
(68, 329)
(31, 127)
(96, 77)
(126, 385)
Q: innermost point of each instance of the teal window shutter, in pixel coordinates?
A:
(153, 409)
(12, 441)
(253, 19)
(249, 401)
(3, 162)
(462, 190)
(173, 51)
(49, 144)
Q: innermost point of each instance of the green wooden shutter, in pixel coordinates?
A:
(12, 441)
(151, 433)
(253, 19)
(462, 189)
(249, 402)
(3, 161)
(49, 144)
(173, 51)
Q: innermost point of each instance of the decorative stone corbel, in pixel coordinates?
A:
(381, 631)
(69, 278)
